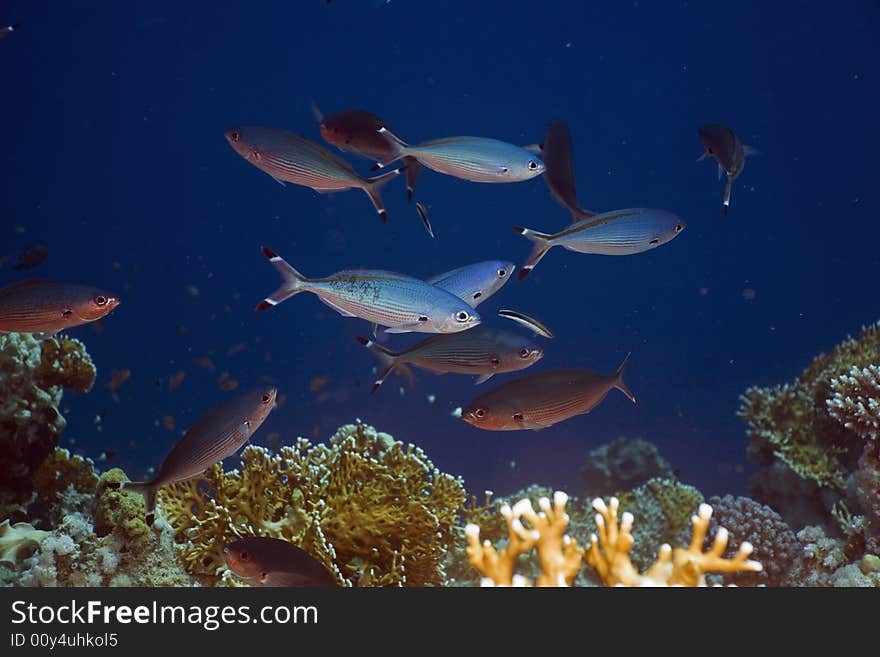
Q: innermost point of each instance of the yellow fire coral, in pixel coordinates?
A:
(373, 510)
(65, 362)
(608, 553)
(559, 554)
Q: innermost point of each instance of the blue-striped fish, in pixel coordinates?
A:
(219, 434)
(402, 303)
(537, 401)
(477, 282)
(619, 232)
(556, 151)
(287, 157)
(357, 131)
(477, 159)
(482, 351)
(722, 144)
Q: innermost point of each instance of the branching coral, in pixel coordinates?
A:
(65, 362)
(608, 553)
(792, 422)
(856, 401)
(17, 539)
(373, 510)
(29, 419)
(559, 554)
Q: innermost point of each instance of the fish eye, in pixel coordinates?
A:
(462, 316)
(101, 300)
(495, 360)
(423, 318)
(235, 135)
(524, 352)
(504, 169)
(480, 412)
(532, 165)
(266, 397)
(244, 555)
(518, 417)
(678, 228)
(502, 273)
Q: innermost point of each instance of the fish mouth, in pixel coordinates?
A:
(537, 354)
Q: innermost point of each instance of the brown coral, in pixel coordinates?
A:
(559, 554)
(373, 510)
(608, 553)
(64, 362)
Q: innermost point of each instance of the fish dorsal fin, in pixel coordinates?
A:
(24, 285)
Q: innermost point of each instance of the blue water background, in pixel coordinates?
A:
(113, 155)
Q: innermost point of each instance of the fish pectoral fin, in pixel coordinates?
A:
(341, 311)
(483, 378)
(375, 329)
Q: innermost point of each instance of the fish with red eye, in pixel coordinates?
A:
(357, 131)
(44, 307)
(722, 144)
(264, 561)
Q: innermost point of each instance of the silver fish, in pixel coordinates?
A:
(477, 159)
(619, 232)
(722, 144)
(477, 282)
(537, 401)
(482, 351)
(402, 303)
(219, 434)
(287, 157)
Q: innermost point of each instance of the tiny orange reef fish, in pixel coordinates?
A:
(219, 434)
(264, 561)
(722, 144)
(44, 307)
(31, 257)
(287, 157)
(538, 401)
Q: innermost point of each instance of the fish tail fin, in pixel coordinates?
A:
(316, 111)
(398, 148)
(727, 189)
(618, 379)
(373, 185)
(147, 489)
(542, 245)
(293, 280)
(387, 360)
(413, 169)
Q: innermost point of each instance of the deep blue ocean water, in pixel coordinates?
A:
(113, 155)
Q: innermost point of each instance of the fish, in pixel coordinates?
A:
(175, 380)
(538, 401)
(730, 153)
(529, 322)
(482, 351)
(44, 307)
(357, 131)
(31, 257)
(217, 435)
(423, 215)
(6, 31)
(287, 157)
(264, 561)
(556, 151)
(619, 232)
(402, 303)
(477, 282)
(478, 159)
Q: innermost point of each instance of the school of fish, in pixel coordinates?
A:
(443, 305)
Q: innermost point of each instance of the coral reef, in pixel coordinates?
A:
(373, 510)
(856, 401)
(775, 544)
(608, 553)
(64, 362)
(560, 556)
(622, 465)
(664, 508)
(823, 562)
(17, 539)
(867, 491)
(29, 419)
